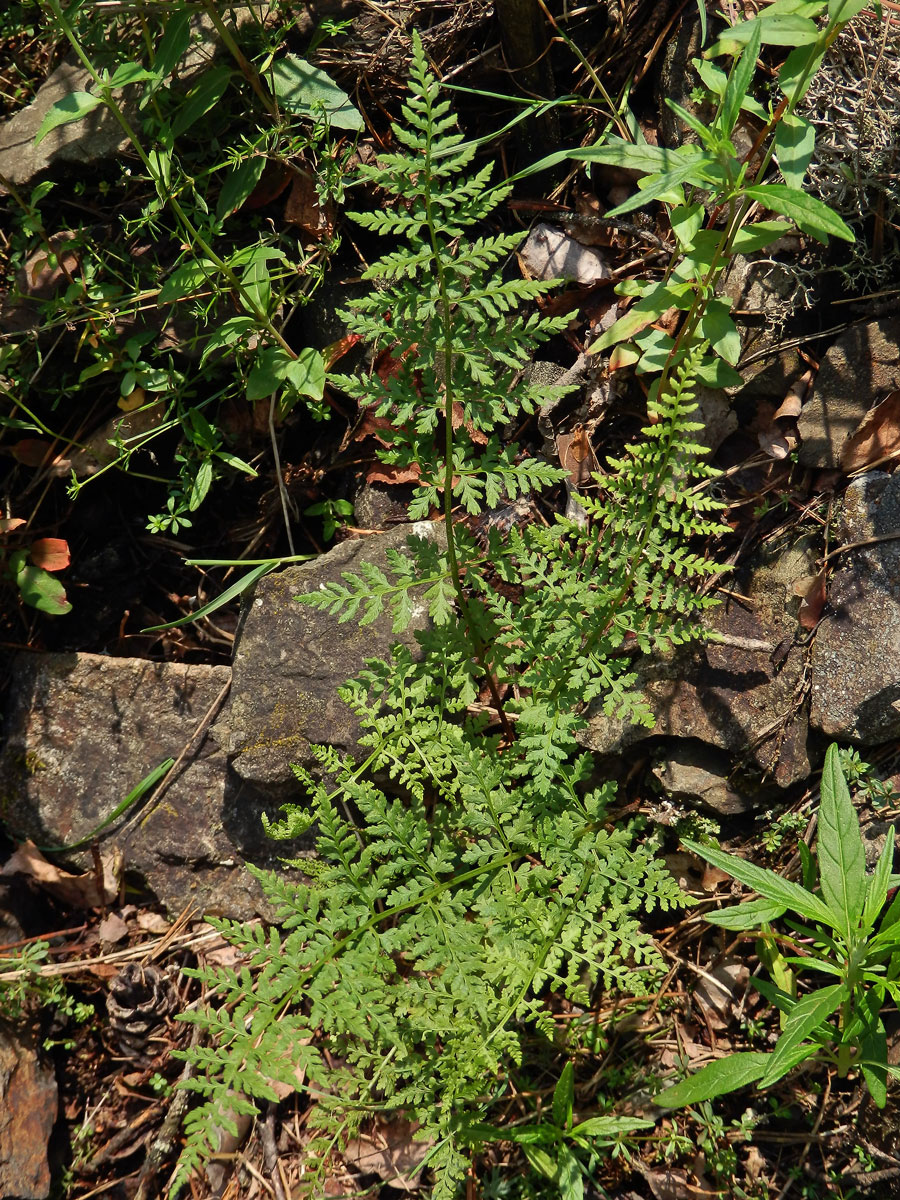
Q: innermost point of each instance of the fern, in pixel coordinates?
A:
(481, 874)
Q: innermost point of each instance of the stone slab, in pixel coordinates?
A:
(82, 730)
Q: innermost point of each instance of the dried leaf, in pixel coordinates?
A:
(31, 452)
(576, 455)
(50, 553)
(383, 473)
(390, 1152)
(774, 442)
(877, 436)
(77, 891)
(813, 592)
(303, 208)
(133, 400)
(8, 524)
(112, 928)
(152, 922)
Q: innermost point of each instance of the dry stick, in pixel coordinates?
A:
(282, 489)
(201, 729)
(163, 1145)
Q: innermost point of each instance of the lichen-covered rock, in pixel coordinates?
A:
(290, 660)
(856, 654)
(695, 774)
(746, 702)
(82, 730)
(856, 372)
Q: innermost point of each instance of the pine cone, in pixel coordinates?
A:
(140, 998)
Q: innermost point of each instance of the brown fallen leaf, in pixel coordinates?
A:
(304, 209)
(77, 891)
(813, 592)
(389, 1151)
(576, 455)
(877, 437)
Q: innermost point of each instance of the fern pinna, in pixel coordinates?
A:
(481, 876)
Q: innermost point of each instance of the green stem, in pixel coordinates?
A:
(192, 234)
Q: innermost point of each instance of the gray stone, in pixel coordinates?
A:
(856, 654)
(745, 702)
(858, 370)
(82, 730)
(694, 774)
(290, 660)
(381, 505)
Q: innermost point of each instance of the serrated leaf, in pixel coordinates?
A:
(68, 108)
(767, 883)
(716, 1079)
(807, 213)
(749, 914)
(304, 89)
(842, 858)
(805, 1017)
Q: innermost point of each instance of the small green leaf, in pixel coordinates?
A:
(655, 301)
(807, 213)
(687, 220)
(655, 186)
(185, 280)
(38, 587)
(609, 1128)
(236, 589)
(750, 238)
(749, 914)
(739, 80)
(173, 44)
(724, 1075)
(306, 374)
(127, 73)
(877, 883)
(805, 1017)
(799, 70)
(304, 89)
(568, 1175)
(718, 328)
(239, 184)
(874, 1065)
(257, 283)
(564, 1096)
(795, 141)
(203, 96)
(268, 372)
(842, 858)
(767, 883)
(68, 108)
(780, 29)
(229, 332)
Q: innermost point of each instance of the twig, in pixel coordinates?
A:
(282, 490)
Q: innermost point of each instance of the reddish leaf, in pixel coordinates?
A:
(303, 207)
(50, 553)
(275, 179)
(8, 524)
(383, 473)
(877, 437)
(338, 349)
(31, 452)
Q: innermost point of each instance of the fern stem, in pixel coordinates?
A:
(479, 647)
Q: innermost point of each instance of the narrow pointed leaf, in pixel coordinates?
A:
(739, 81)
(749, 915)
(724, 1075)
(767, 883)
(842, 859)
(877, 883)
(806, 1016)
(807, 213)
(69, 108)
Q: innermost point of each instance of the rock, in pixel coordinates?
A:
(745, 702)
(381, 505)
(82, 730)
(694, 774)
(856, 653)
(861, 366)
(97, 136)
(28, 1107)
(874, 836)
(290, 660)
(551, 254)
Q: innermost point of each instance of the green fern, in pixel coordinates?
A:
(479, 877)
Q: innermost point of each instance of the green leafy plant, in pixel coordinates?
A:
(840, 930)
(223, 281)
(447, 906)
(26, 989)
(30, 569)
